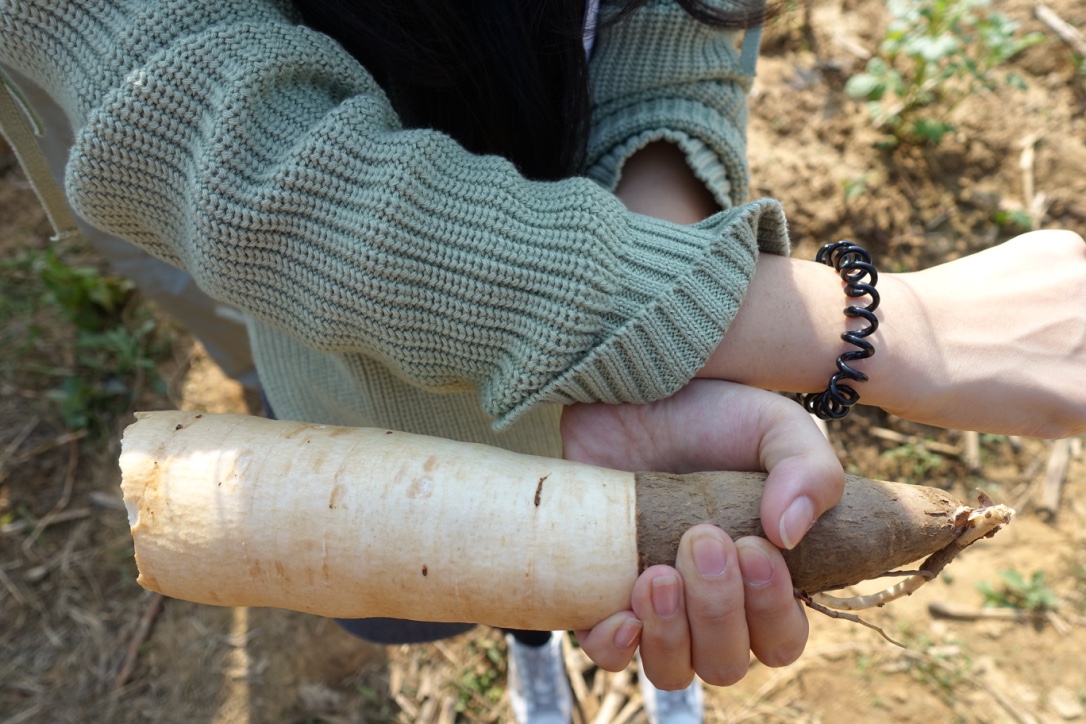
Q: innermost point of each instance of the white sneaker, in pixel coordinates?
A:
(686, 706)
(539, 691)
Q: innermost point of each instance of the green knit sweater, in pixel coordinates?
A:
(389, 277)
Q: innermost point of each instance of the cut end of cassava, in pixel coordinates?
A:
(877, 526)
(140, 477)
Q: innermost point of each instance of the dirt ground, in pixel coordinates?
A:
(81, 642)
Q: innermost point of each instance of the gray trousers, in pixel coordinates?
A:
(219, 327)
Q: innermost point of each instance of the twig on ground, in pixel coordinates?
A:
(1025, 165)
(13, 589)
(18, 440)
(1067, 33)
(971, 454)
(575, 668)
(62, 503)
(932, 445)
(1024, 494)
(67, 516)
(448, 711)
(942, 609)
(443, 649)
(853, 47)
(616, 696)
(633, 706)
(407, 706)
(1035, 202)
(1062, 627)
(143, 629)
(57, 441)
(1059, 457)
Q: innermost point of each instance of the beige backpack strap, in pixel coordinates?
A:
(20, 128)
(748, 52)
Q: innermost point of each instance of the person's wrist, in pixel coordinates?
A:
(900, 373)
(854, 266)
(788, 329)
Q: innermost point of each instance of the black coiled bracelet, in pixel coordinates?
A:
(853, 264)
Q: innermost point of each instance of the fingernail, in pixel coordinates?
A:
(665, 596)
(796, 521)
(755, 565)
(627, 634)
(709, 556)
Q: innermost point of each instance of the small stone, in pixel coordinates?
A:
(1065, 703)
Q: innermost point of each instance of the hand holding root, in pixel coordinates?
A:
(712, 600)
(974, 524)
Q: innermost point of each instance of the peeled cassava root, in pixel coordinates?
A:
(357, 522)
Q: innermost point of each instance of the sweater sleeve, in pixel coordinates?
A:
(661, 75)
(227, 139)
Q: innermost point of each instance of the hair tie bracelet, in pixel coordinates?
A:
(853, 264)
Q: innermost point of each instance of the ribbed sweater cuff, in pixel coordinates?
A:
(713, 143)
(670, 338)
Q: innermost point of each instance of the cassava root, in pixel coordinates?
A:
(358, 522)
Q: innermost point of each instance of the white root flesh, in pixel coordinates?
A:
(357, 522)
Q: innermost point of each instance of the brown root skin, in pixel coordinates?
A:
(877, 526)
(973, 524)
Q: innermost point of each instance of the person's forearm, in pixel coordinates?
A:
(787, 334)
(993, 342)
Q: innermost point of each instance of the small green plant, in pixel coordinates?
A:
(482, 684)
(89, 300)
(935, 54)
(855, 186)
(915, 461)
(1014, 220)
(112, 365)
(112, 343)
(1014, 591)
(942, 667)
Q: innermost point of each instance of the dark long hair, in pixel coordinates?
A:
(506, 77)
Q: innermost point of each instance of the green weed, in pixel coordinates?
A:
(483, 682)
(60, 311)
(1014, 220)
(935, 53)
(1014, 591)
(86, 298)
(855, 186)
(915, 461)
(113, 367)
(943, 667)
